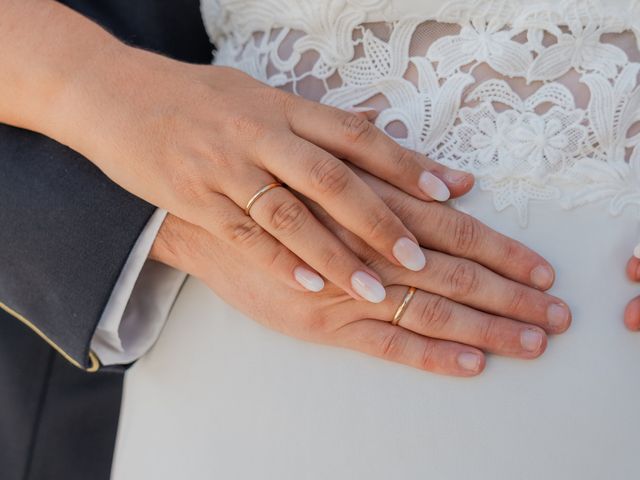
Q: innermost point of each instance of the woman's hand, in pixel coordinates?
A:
(200, 141)
(472, 299)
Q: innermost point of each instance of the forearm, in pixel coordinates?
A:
(69, 231)
(44, 47)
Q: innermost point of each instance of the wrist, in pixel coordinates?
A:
(109, 104)
(73, 115)
(49, 46)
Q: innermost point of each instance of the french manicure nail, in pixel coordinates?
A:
(531, 340)
(469, 361)
(368, 287)
(433, 186)
(409, 254)
(542, 276)
(636, 251)
(308, 279)
(557, 315)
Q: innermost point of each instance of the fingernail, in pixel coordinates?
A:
(557, 315)
(409, 254)
(456, 176)
(368, 287)
(531, 340)
(433, 186)
(542, 276)
(469, 361)
(636, 251)
(308, 279)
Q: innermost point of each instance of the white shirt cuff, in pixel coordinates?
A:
(139, 303)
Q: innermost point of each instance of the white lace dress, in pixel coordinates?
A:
(541, 101)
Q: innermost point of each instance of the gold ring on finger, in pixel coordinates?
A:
(258, 194)
(403, 306)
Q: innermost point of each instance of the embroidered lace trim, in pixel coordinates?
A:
(539, 102)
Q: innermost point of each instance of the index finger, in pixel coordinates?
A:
(353, 137)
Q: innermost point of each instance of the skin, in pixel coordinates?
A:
(208, 162)
(199, 141)
(469, 300)
(632, 312)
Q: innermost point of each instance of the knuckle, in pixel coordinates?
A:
(436, 313)
(441, 217)
(288, 217)
(274, 96)
(393, 345)
(413, 212)
(330, 176)
(376, 262)
(489, 335)
(517, 300)
(279, 256)
(463, 279)
(286, 101)
(246, 125)
(404, 206)
(357, 129)
(403, 160)
(466, 234)
(379, 224)
(511, 253)
(333, 260)
(190, 188)
(428, 358)
(245, 233)
(221, 159)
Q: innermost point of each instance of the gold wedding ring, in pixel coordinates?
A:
(258, 194)
(403, 306)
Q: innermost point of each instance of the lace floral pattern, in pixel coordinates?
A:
(540, 101)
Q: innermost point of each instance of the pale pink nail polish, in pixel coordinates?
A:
(368, 287)
(308, 279)
(433, 187)
(409, 254)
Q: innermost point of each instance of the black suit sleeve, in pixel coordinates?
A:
(65, 229)
(65, 233)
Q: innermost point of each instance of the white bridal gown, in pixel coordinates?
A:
(540, 99)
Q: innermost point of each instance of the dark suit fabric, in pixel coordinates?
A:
(65, 234)
(57, 422)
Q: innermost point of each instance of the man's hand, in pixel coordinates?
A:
(632, 312)
(473, 295)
